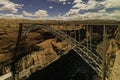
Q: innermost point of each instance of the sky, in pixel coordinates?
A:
(60, 9)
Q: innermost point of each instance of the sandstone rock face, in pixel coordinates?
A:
(38, 59)
(113, 57)
(115, 75)
(116, 67)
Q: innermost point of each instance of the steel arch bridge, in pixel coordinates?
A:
(86, 50)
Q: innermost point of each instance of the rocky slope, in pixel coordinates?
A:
(114, 57)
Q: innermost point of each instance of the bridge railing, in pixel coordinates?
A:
(94, 61)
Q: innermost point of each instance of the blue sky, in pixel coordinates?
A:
(60, 9)
(34, 5)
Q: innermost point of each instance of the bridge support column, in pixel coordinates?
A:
(75, 35)
(87, 35)
(79, 35)
(16, 50)
(104, 52)
(90, 37)
(73, 32)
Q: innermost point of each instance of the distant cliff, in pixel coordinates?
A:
(114, 56)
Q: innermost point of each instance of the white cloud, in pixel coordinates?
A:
(62, 0)
(85, 6)
(102, 14)
(112, 3)
(41, 13)
(93, 4)
(37, 14)
(13, 16)
(51, 7)
(69, 3)
(64, 3)
(27, 13)
(77, 1)
(79, 5)
(7, 5)
(105, 15)
(102, 11)
(57, 0)
(72, 12)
